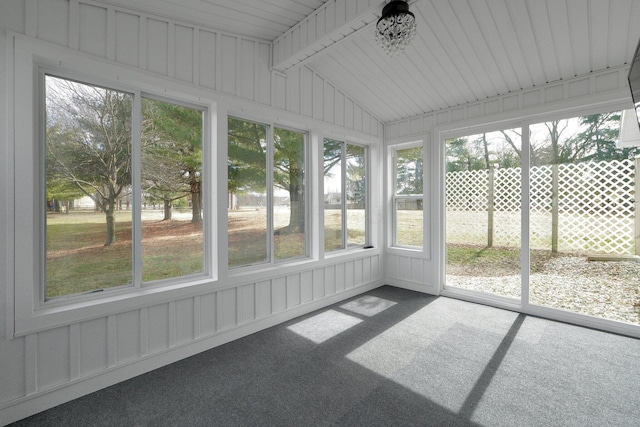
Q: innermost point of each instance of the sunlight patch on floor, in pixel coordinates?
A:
(324, 326)
(368, 305)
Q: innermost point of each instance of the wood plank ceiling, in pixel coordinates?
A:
(464, 50)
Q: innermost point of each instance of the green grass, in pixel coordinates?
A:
(78, 261)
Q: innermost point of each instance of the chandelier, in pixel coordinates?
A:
(396, 27)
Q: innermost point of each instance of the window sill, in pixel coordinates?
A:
(70, 310)
(404, 250)
(267, 272)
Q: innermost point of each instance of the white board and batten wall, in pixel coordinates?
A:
(51, 365)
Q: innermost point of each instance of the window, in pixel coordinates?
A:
(121, 208)
(408, 197)
(267, 197)
(345, 201)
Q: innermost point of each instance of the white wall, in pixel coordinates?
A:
(50, 365)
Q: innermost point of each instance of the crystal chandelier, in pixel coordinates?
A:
(396, 27)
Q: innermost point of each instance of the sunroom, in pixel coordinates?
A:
(179, 174)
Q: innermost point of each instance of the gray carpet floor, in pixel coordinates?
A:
(391, 357)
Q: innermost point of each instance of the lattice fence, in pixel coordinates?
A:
(592, 203)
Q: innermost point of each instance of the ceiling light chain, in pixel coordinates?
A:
(395, 28)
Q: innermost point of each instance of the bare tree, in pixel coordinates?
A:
(88, 140)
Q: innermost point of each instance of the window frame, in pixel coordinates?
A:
(396, 197)
(272, 260)
(137, 281)
(343, 201)
(31, 311)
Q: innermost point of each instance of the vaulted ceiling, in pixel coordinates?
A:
(464, 50)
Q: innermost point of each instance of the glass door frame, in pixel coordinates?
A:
(523, 305)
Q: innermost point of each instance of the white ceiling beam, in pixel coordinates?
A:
(327, 26)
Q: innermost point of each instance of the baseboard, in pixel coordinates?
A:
(412, 286)
(26, 406)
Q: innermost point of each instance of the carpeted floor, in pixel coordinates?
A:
(390, 357)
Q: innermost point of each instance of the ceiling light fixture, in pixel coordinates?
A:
(396, 27)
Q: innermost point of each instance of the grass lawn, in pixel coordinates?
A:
(78, 261)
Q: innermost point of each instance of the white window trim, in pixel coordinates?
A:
(272, 262)
(345, 226)
(28, 313)
(393, 197)
(523, 305)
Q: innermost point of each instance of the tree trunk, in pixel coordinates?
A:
(196, 203)
(167, 209)
(111, 224)
(296, 202)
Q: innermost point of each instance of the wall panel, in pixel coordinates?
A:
(13, 374)
(184, 52)
(293, 290)
(13, 16)
(318, 283)
(263, 299)
(158, 324)
(93, 30)
(228, 66)
(52, 21)
(278, 294)
(207, 59)
(294, 99)
(157, 40)
(208, 314)
(93, 346)
(248, 52)
(330, 280)
(349, 274)
(247, 303)
(52, 358)
(127, 336)
(306, 286)
(281, 87)
(263, 74)
(227, 308)
(185, 320)
(127, 34)
(340, 277)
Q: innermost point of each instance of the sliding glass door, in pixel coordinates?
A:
(583, 226)
(581, 246)
(483, 193)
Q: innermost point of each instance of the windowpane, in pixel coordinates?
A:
(356, 191)
(247, 176)
(172, 240)
(333, 153)
(409, 171)
(408, 214)
(483, 212)
(409, 222)
(289, 193)
(344, 217)
(583, 222)
(88, 188)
